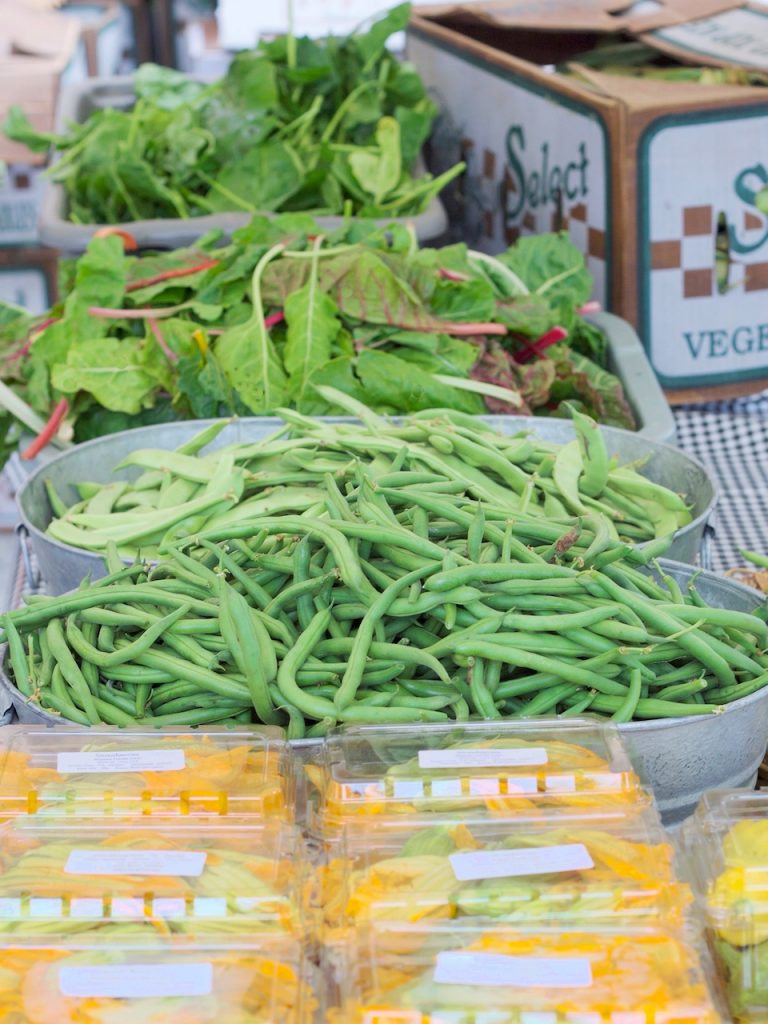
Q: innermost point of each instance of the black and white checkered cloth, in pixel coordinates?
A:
(731, 438)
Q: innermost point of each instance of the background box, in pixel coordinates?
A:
(638, 172)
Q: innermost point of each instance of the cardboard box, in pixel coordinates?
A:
(28, 277)
(198, 49)
(38, 50)
(106, 33)
(647, 176)
(20, 195)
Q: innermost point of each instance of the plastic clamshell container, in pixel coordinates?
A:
(116, 772)
(727, 844)
(233, 877)
(422, 874)
(238, 982)
(473, 769)
(612, 976)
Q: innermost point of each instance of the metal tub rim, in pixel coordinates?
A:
(698, 524)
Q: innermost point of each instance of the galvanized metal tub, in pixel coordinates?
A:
(63, 567)
(682, 758)
(679, 759)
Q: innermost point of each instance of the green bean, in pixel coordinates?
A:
(493, 677)
(626, 712)
(60, 607)
(499, 574)
(482, 699)
(301, 572)
(293, 695)
(719, 617)
(70, 670)
(334, 539)
(200, 716)
(680, 691)
(726, 694)
(18, 659)
(594, 454)
(548, 699)
(537, 662)
(556, 623)
(694, 642)
(245, 639)
(686, 671)
(50, 700)
(578, 706)
(129, 651)
(364, 637)
(206, 680)
(653, 708)
(321, 728)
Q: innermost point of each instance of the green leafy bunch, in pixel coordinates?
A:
(259, 323)
(334, 126)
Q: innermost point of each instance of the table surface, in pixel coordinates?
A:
(731, 439)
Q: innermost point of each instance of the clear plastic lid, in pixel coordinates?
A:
(103, 771)
(157, 875)
(646, 976)
(118, 983)
(522, 768)
(420, 875)
(727, 844)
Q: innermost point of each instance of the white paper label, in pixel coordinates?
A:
(92, 762)
(136, 981)
(543, 860)
(483, 757)
(495, 969)
(737, 37)
(174, 863)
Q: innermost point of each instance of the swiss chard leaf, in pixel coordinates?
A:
(99, 281)
(551, 266)
(390, 384)
(248, 358)
(370, 292)
(463, 300)
(118, 376)
(338, 373)
(600, 391)
(313, 324)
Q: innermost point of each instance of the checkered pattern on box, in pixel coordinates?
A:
(692, 253)
(731, 438)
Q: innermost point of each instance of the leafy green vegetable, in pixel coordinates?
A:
(270, 318)
(248, 357)
(313, 325)
(337, 130)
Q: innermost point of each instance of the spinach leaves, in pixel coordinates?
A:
(333, 127)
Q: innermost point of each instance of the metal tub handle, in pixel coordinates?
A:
(34, 578)
(707, 546)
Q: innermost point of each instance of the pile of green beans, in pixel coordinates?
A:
(396, 598)
(183, 491)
